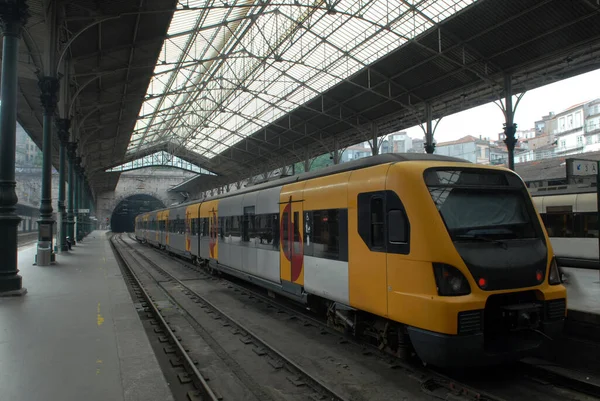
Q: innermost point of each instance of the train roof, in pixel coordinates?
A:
(561, 190)
(358, 164)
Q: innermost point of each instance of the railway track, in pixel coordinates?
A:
(298, 383)
(534, 378)
(26, 239)
(147, 302)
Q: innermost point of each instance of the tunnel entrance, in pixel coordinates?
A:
(123, 217)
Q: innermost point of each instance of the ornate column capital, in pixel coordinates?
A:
(62, 127)
(72, 150)
(49, 96)
(13, 16)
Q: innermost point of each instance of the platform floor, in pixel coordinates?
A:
(583, 290)
(76, 334)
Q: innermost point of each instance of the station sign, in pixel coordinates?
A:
(581, 167)
(82, 211)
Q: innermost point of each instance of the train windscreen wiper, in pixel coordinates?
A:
(482, 238)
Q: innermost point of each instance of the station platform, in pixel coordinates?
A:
(76, 334)
(583, 294)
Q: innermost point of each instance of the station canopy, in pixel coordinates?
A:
(229, 68)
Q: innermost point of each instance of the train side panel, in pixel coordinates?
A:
(325, 219)
(153, 235)
(268, 236)
(248, 228)
(192, 242)
(176, 230)
(367, 275)
(230, 211)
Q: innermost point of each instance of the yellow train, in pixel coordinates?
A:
(417, 252)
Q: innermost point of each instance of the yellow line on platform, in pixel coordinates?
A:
(100, 319)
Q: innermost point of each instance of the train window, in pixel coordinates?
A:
(308, 234)
(275, 230)
(558, 224)
(325, 234)
(296, 225)
(284, 226)
(377, 222)
(576, 225)
(234, 226)
(222, 228)
(397, 227)
(248, 224)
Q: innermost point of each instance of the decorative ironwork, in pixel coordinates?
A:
(160, 159)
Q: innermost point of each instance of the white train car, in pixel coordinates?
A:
(571, 219)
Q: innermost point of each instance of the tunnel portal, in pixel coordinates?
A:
(123, 217)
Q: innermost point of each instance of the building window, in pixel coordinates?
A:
(561, 124)
(563, 144)
(578, 119)
(580, 140)
(570, 121)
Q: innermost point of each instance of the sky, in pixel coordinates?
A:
(487, 120)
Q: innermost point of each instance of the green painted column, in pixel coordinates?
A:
(71, 215)
(13, 16)
(62, 126)
(49, 97)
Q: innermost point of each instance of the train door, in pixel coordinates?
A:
(292, 247)
(213, 228)
(188, 231)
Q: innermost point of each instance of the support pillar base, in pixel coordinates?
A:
(14, 293)
(11, 285)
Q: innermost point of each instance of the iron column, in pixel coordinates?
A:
(510, 128)
(429, 145)
(13, 16)
(71, 216)
(77, 199)
(62, 126)
(49, 97)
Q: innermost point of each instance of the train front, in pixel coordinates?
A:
(504, 284)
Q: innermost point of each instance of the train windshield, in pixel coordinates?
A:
(482, 204)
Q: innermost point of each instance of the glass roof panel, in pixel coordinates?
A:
(160, 159)
(227, 69)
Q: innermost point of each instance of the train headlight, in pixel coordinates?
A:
(450, 281)
(554, 276)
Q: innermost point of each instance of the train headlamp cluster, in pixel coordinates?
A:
(450, 281)
(554, 276)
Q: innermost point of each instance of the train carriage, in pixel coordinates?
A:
(570, 216)
(175, 237)
(420, 251)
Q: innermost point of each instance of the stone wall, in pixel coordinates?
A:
(153, 182)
